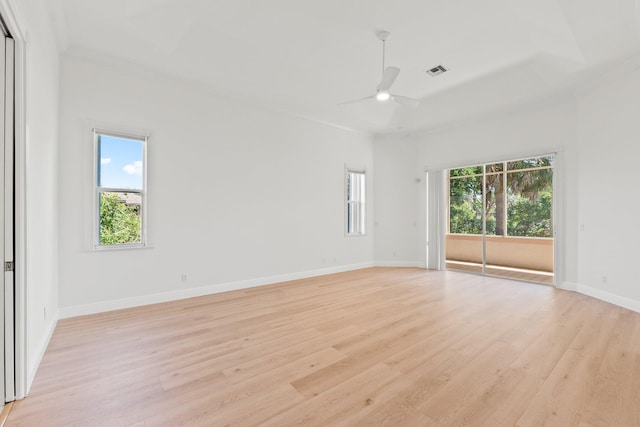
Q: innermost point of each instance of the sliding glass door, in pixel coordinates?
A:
(466, 219)
(500, 219)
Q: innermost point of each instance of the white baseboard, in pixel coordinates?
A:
(39, 353)
(399, 264)
(568, 286)
(609, 297)
(103, 306)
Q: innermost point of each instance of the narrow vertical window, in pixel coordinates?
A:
(120, 165)
(355, 199)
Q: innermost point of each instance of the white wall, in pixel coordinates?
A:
(42, 83)
(397, 195)
(609, 206)
(236, 193)
(521, 133)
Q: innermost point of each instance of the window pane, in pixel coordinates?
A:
(355, 202)
(361, 190)
(530, 198)
(465, 205)
(530, 163)
(354, 220)
(496, 221)
(353, 223)
(353, 186)
(475, 170)
(120, 162)
(349, 217)
(120, 218)
(496, 167)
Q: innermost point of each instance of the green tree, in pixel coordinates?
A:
(531, 218)
(119, 222)
(465, 201)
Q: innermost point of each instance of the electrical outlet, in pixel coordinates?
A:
(183, 277)
(604, 280)
(44, 312)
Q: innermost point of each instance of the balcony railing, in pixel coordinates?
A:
(528, 253)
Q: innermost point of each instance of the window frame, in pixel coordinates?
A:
(362, 229)
(97, 190)
(504, 173)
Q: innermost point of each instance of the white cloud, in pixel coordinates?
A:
(105, 161)
(133, 169)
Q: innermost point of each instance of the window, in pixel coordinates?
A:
(355, 191)
(120, 190)
(517, 199)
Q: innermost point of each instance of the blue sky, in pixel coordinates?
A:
(120, 162)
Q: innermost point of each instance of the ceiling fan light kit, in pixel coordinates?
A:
(383, 95)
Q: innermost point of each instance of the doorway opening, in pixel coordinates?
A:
(500, 219)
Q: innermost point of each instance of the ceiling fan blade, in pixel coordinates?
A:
(388, 77)
(353, 101)
(404, 100)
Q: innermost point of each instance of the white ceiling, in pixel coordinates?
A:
(306, 57)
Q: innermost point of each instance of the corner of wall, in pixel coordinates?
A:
(568, 286)
(38, 352)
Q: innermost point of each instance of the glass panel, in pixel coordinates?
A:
(530, 196)
(496, 167)
(120, 162)
(465, 205)
(496, 226)
(530, 163)
(521, 254)
(474, 170)
(355, 219)
(355, 184)
(495, 205)
(350, 224)
(464, 239)
(518, 211)
(355, 202)
(120, 218)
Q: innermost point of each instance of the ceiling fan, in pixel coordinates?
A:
(389, 76)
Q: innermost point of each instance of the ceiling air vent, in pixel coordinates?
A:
(437, 70)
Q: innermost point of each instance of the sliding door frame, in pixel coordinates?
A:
(8, 13)
(441, 211)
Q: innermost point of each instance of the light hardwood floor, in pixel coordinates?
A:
(541, 277)
(381, 346)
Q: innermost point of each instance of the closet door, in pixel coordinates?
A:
(7, 355)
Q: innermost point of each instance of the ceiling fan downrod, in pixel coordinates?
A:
(383, 36)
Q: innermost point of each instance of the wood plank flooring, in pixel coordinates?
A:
(374, 347)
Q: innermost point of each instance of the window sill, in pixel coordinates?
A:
(120, 248)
